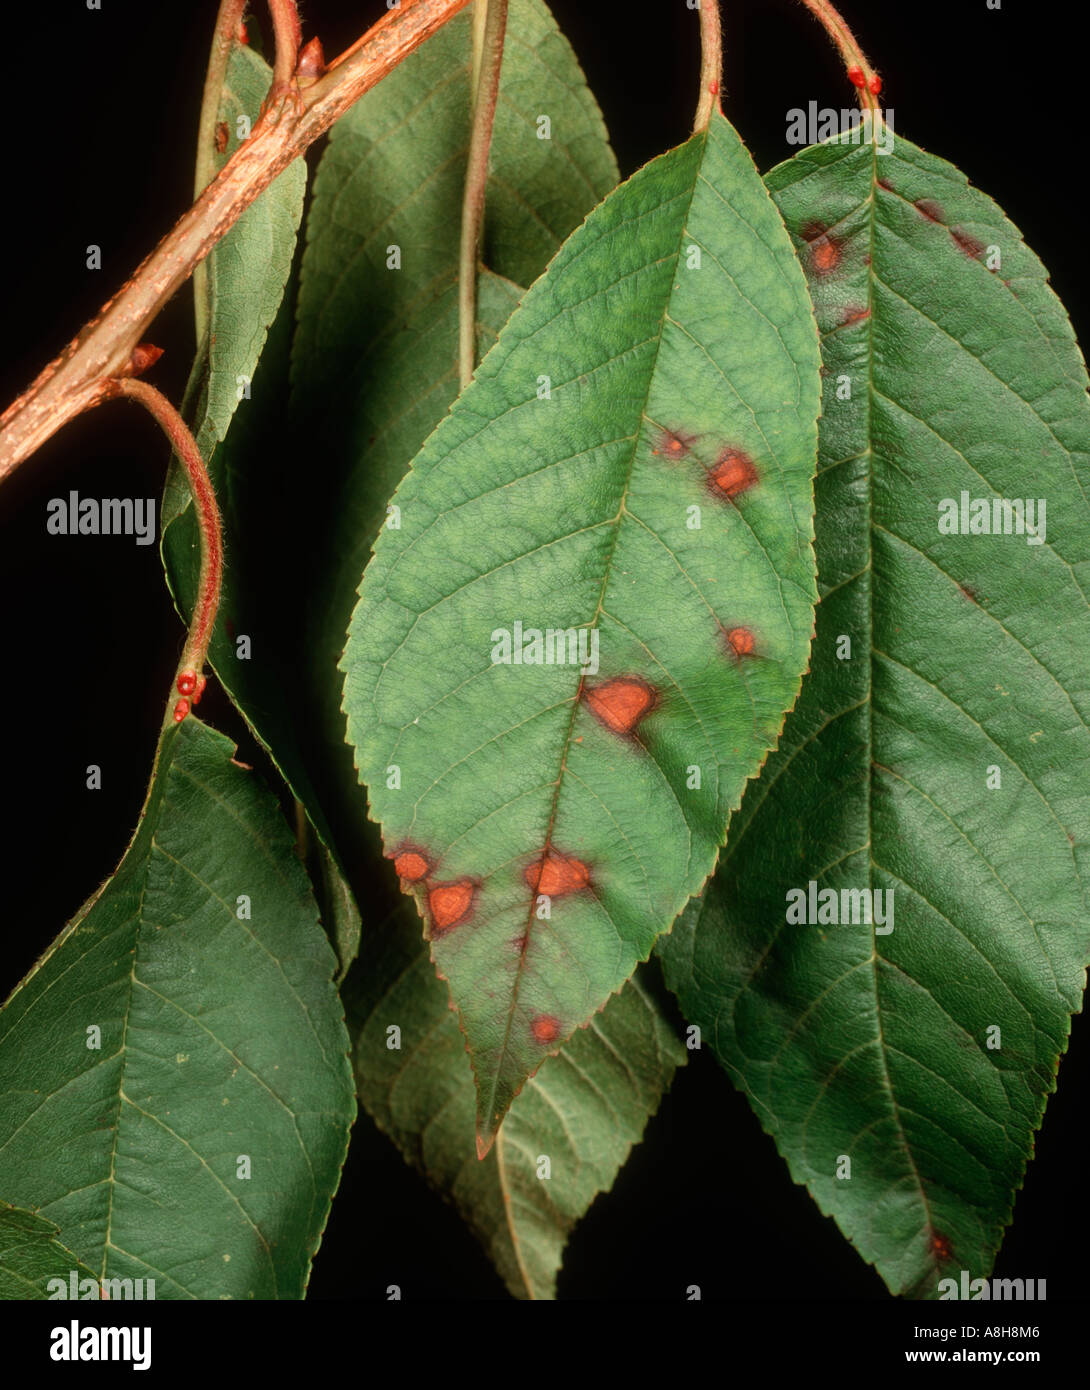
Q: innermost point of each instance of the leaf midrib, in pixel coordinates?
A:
(617, 522)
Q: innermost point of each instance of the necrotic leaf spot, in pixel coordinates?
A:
(825, 251)
(673, 444)
(545, 1028)
(411, 864)
(621, 703)
(732, 474)
(940, 1246)
(740, 640)
(557, 874)
(967, 243)
(930, 209)
(450, 904)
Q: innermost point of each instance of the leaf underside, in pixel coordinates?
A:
(657, 495)
(31, 1255)
(197, 1137)
(944, 760)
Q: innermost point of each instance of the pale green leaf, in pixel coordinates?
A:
(670, 347)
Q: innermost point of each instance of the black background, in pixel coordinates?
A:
(101, 113)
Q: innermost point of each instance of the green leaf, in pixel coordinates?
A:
(945, 760)
(375, 354)
(677, 335)
(247, 274)
(409, 134)
(220, 1040)
(248, 268)
(583, 1110)
(31, 1255)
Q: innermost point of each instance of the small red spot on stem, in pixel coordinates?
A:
(450, 904)
(856, 77)
(732, 474)
(412, 864)
(714, 89)
(930, 209)
(545, 1028)
(620, 704)
(875, 85)
(181, 709)
(243, 33)
(202, 681)
(740, 641)
(187, 683)
(557, 874)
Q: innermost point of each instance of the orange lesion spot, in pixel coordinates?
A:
(412, 864)
(940, 1246)
(451, 904)
(621, 703)
(741, 641)
(545, 1028)
(732, 473)
(825, 256)
(825, 250)
(557, 874)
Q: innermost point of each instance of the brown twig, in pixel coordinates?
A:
(82, 375)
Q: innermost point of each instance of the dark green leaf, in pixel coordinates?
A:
(31, 1256)
(183, 1025)
(247, 274)
(945, 760)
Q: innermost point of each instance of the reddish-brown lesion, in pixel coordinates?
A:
(555, 874)
(545, 1028)
(940, 1246)
(451, 904)
(967, 243)
(733, 473)
(411, 863)
(621, 703)
(740, 642)
(825, 251)
(673, 444)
